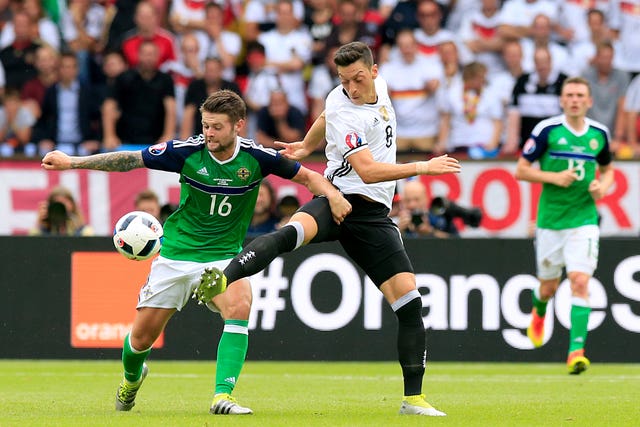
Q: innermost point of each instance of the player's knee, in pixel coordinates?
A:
(141, 341)
(579, 284)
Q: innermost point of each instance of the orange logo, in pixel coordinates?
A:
(104, 295)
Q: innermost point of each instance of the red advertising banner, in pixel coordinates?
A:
(509, 206)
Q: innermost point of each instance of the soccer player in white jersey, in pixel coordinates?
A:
(220, 175)
(360, 128)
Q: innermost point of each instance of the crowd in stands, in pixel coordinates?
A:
(470, 77)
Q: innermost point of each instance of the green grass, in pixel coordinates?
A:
(80, 393)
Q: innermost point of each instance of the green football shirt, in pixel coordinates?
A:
(217, 199)
(557, 147)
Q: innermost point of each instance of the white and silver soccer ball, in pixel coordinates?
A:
(138, 235)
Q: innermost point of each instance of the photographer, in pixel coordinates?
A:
(414, 218)
(59, 216)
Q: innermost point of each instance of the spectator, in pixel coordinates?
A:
(398, 16)
(141, 107)
(45, 30)
(288, 51)
(413, 81)
(187, 16)
(608, 89)
(503, 82)
(198, 91)
(264, 218)
(324, 78)
(59, 216)
(471, 120)
(148, 201)
(414, 217)
(16, 121)
(632, 116)
(217, 42)
(113, 64)
(260, 16)
(279, 121)
(573, 17)
(583, 51)
(18, 58)
(319, 20)
(541, 38)
(624, 21)
(68, 114)
(430, 33)
(259, 84)
(47, 63)
(448, 53)
(285, 208)
(516, 17)
(82, 26)
(148, 30)
(350, 28)
(479, 35)
(120, 22)
(184, 70)
(535, 97)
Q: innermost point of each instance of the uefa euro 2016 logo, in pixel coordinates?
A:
(353, 140)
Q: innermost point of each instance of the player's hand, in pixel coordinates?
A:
(565, 178)
(444, 164)
(340, 207)
(294, 150)
(596, 190)
(56, 160)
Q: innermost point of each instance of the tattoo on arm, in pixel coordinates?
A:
(120, 161)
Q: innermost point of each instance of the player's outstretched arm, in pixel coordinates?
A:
(319, 185)
(119, 161)
(371, 171)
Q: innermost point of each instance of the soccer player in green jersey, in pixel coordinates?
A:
(570, 149)
(220, 175)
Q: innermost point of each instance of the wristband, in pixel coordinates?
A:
(422, 168)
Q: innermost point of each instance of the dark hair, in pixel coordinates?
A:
(353, 52)
(225, 102)
(255, 46)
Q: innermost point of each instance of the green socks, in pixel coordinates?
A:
(232, 350)
(132, 360)
(580, 311)
(539, 305)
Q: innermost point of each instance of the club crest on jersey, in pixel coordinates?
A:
(385, 114)
(529, 146)
(593, 144)
(353, 140)
(243, 173)
(158, 149)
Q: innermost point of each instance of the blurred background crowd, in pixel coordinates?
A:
(468, 77)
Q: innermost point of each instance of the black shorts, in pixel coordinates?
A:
(367, 234)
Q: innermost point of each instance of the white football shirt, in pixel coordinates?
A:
(351, 128)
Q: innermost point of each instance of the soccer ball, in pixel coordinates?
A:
(138, 235)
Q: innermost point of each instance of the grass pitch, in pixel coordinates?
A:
(80, 393)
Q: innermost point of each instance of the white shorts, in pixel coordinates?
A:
(171, 283)
(575, 248)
